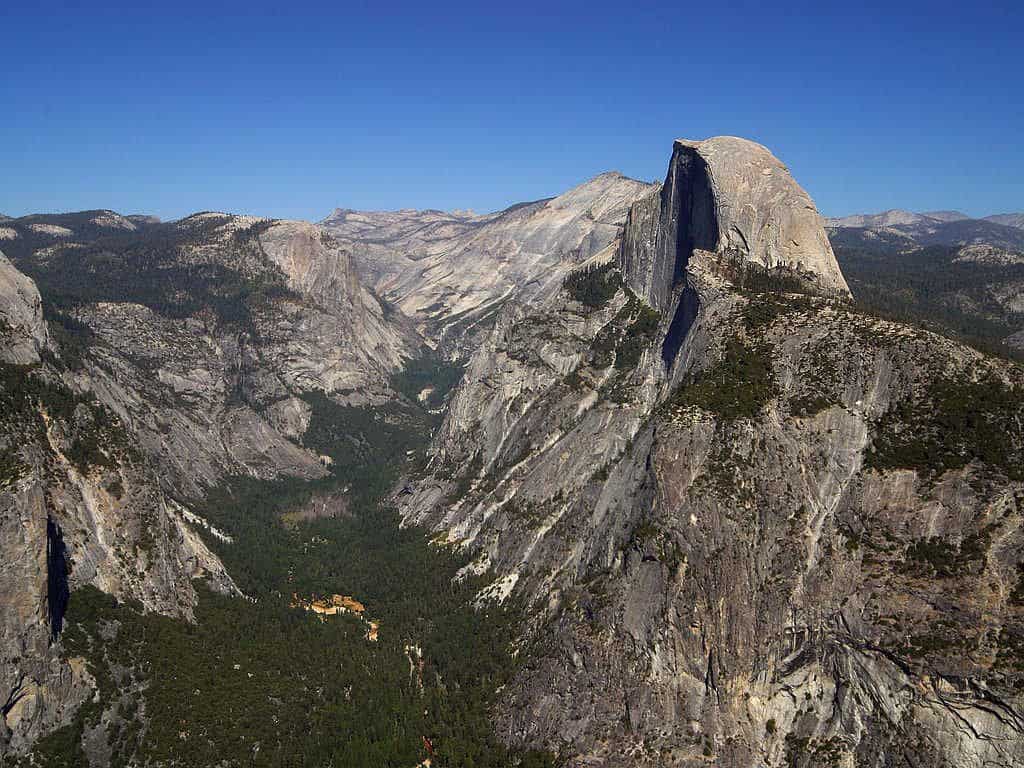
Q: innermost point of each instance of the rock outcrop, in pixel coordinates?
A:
(21, 316)
(746, 551)
(78, 505)
(732, 197)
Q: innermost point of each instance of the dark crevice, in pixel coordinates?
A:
(679, 328)
(17, 694)
(688, 197)
(56, 576)
(693, 210)
(710, 678)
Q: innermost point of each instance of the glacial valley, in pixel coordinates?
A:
(643, 474)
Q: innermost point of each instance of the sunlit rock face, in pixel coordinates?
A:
(451, 273)
(21, 316)
(732, 197)
(681, 478)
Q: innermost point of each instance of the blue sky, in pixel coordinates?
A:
(292, 109)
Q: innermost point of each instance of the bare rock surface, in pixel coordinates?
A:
(21, 316)
(728, 196)
(451, 272)
(691, 483)
(67, 520)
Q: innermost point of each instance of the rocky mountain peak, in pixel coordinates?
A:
(729, 196)
(311, 260)
(607, 196)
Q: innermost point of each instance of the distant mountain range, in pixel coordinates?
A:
(936, 228)
(897, 217)
(1009, 219)
(964, 274)
(752, 499)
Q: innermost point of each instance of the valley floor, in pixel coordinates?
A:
(258, 680)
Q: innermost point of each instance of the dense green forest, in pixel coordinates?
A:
(256, 681)
(265, 684)
(146, 267)
(927, 286)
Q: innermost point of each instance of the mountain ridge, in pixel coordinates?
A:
(451, 273)
(678, 461)
(740, 518)
(901, 216)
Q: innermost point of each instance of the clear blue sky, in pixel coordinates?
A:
(290, 109)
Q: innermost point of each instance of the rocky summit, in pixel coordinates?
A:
(734, 503)
(451, 273)
(630, 476)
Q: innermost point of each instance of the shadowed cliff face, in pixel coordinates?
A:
(731, 197)
(721, 490)
(663, 230)
(78, 505)
(688, 219)
(56, 576)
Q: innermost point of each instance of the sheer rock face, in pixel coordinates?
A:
(744, 586)
(451, 272)
(728, 196)
(22, 326)
(343, 341)
(63, 525)
(60, 528)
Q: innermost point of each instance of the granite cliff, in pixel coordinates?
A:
(748, 522)
(754, 525)
(450, 273)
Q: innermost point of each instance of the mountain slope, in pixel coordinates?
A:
(450, 273)
(1008, 219)
(946, 215)
(753, 525)
(168, 458)
(80, 504)
(975, 292)
(156, 364)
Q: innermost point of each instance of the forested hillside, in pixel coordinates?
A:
(167, 337)
(975, 293)
(258, 680)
